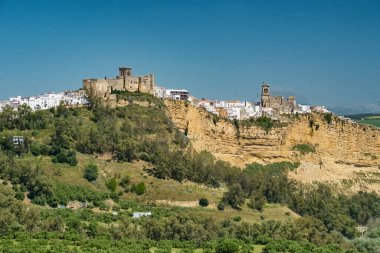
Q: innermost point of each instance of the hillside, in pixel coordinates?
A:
(79, 174)
(328, 148)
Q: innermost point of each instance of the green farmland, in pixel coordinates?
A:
(368, 119)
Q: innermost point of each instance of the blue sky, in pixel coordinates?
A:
(324, 52)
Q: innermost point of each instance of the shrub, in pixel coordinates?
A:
(203, 202)
(111, 184)
(139, 189)
(227, 246)
(35, 149)
(91, 172)
(328, 117)
(265, 122)
(44, 149)
(63, 156)
(19, 195)
(124, 182)
(257, 202)
(304, 148)
(311, 123)
(221, 206)
(237, 218)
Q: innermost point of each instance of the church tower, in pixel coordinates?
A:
(265, 95)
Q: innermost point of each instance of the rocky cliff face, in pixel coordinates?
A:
(340, 141)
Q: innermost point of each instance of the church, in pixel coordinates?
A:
(277, 103)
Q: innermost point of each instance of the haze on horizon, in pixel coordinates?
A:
(324, 52)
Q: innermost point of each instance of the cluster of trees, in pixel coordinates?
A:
(178, 164)
(167, 229)
(268, 184)
(370, 242)
(23, 118)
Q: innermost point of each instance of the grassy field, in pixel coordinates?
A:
(370, 121)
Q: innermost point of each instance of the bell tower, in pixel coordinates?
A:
(265, 95)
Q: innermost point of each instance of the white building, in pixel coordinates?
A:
(220, 103)
(319, 108)
(253, 111)
(74, 98)
(234, 103)
(177, 94)
(304, 108)
(49, 100)
(159, 91)
(234, 113)
(138, 215)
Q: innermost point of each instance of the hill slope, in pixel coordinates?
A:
(103, 164)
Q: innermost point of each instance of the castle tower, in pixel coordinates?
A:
(124, 72)
(265, 95)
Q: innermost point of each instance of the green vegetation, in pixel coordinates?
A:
(111, 184)
(129, 158)
(264, 122)
(91, 172)
(368, 119)
(139, 189)
(138, 96)
(328, 117)
(304, 148)
(373, 122)
(203, 202)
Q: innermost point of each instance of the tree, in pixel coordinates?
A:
(227, 246)
(91, 172)
(93, 99)
(203, 202)
(257, 201)
(235, 196)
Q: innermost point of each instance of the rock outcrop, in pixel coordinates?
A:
(344, 142)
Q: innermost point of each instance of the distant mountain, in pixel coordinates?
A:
(356, 109)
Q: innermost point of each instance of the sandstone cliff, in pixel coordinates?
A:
(339, 142)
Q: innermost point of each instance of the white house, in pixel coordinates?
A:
(234, 113)
(253, 111)
(234, 103)
(138, 215)
(320, 109)
(177, 94)
(159, 91)
(304, 108)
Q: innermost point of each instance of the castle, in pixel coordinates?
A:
(277, 103)
(123, 82)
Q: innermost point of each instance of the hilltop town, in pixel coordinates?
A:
(269, 105)
(165, 156)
